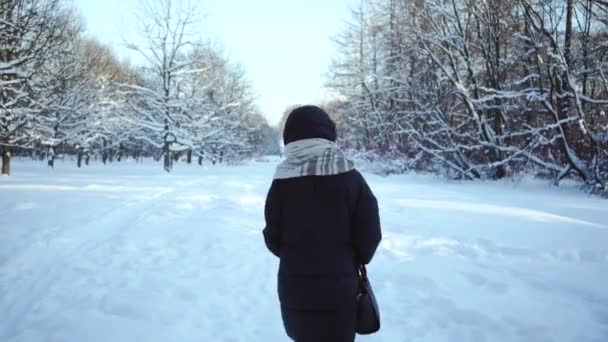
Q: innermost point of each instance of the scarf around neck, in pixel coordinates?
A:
(313, 157)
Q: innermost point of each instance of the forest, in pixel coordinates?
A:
(466, 89)
(477, 89)
(64, 93)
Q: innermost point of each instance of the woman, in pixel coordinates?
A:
(322, 222)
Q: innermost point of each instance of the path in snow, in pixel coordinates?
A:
(125, 253)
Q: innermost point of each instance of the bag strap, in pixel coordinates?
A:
(363, 271)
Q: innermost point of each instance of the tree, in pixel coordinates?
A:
(167, 33)
(477, 89)
(30, 30)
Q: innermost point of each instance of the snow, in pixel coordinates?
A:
(125, 252)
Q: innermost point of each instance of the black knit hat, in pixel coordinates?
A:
(308, 122)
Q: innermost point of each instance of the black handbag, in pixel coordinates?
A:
(368, 314)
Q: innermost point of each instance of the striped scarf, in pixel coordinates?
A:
(312, 157)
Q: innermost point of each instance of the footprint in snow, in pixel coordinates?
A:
(479, 280)
(27, 205)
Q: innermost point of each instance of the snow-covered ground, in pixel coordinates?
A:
(128, 253)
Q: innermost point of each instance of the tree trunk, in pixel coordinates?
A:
(568, 34)
(200, 160)
(6, 160)
(104, 155)
(86, 159)
(167, 160)
(79, 160)
(51, 157)
(189, 157)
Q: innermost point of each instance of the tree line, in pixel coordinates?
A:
(478, 89)
(63, 93)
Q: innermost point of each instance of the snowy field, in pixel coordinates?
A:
(128, 253)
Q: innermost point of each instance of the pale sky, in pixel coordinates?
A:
(285, 45)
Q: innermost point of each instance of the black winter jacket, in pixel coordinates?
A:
(322, 228)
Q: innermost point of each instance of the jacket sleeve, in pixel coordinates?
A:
(272, 213)
(366, 224)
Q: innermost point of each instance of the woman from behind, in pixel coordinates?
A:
(322, 222)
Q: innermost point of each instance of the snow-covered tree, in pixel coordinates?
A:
(30, 32)
(477, 89)
(64, 93)
(192, 99)
(167, 32)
